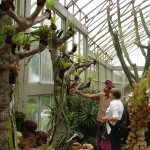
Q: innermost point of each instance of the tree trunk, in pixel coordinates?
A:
(5, 87)
(5, 92)
(60, 126)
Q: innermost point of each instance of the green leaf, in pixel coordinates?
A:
(79, 58)
(50, 4)
(53, 19)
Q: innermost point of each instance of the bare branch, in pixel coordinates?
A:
(39, 49)
(14, 16)
(65, 38)
(41, 18)
(84, 65)
(35, 14)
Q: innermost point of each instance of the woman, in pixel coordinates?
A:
(113, 114)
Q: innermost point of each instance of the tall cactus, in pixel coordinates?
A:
(118, 49)
(123, 44)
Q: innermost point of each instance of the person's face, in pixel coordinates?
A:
(111, 95)
(106, 90)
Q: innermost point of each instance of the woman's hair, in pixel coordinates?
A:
(116, 93)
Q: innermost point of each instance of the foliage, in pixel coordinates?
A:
(50, 4)
(79, 58)
(49, 148)
(43, 30)
(87, 117)
(90, 78)
(139, 92)
(64, 65)
(10, 134)
(82, 114)
(32, 110)
(21, 39)
(53, 19)
(6, 30)
(71, 25)
(2, 38)
(97, 55)
(15, 132)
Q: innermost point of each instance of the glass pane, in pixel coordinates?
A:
(58, 22)
(34, 69)
(45, 103)
(32, 109)
(46, 67)
(69, 44)
(81, 44)
(76, 41)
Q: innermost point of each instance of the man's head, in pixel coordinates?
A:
(115, 93)
(108, 86)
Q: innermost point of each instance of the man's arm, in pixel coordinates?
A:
(86, 95)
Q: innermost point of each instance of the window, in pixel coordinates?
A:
(39, 111)
(40, 68)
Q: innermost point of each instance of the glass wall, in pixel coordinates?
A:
(40, 80)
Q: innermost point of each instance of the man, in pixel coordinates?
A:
(104, 101)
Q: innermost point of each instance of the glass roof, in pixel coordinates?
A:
(93, 15)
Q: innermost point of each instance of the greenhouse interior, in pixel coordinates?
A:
(75, 74)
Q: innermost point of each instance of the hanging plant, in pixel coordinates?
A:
(64, 65)
(7, 32)
(50, 4)
(53, 21)
(71, 26)
(79, 58)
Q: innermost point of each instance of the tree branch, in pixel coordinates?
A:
(35, 14)
(65, 38)
(14, 16)
(39, 49)
(41, 18)
(83, 65)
